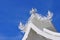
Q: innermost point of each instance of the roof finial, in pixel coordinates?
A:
(33, 11)
(21, 26)
(50, 14)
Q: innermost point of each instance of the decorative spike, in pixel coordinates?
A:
(21, 26)
(20, 23)
(50, 14)
(33, 11)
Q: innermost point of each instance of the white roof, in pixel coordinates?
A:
(40, 25)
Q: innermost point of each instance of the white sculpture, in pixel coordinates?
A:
(40, 27)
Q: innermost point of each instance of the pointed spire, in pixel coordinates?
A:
(33, 11)
(50, 14)
(20, 23)
(21, 26)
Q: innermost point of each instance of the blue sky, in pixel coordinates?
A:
(14, 11)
